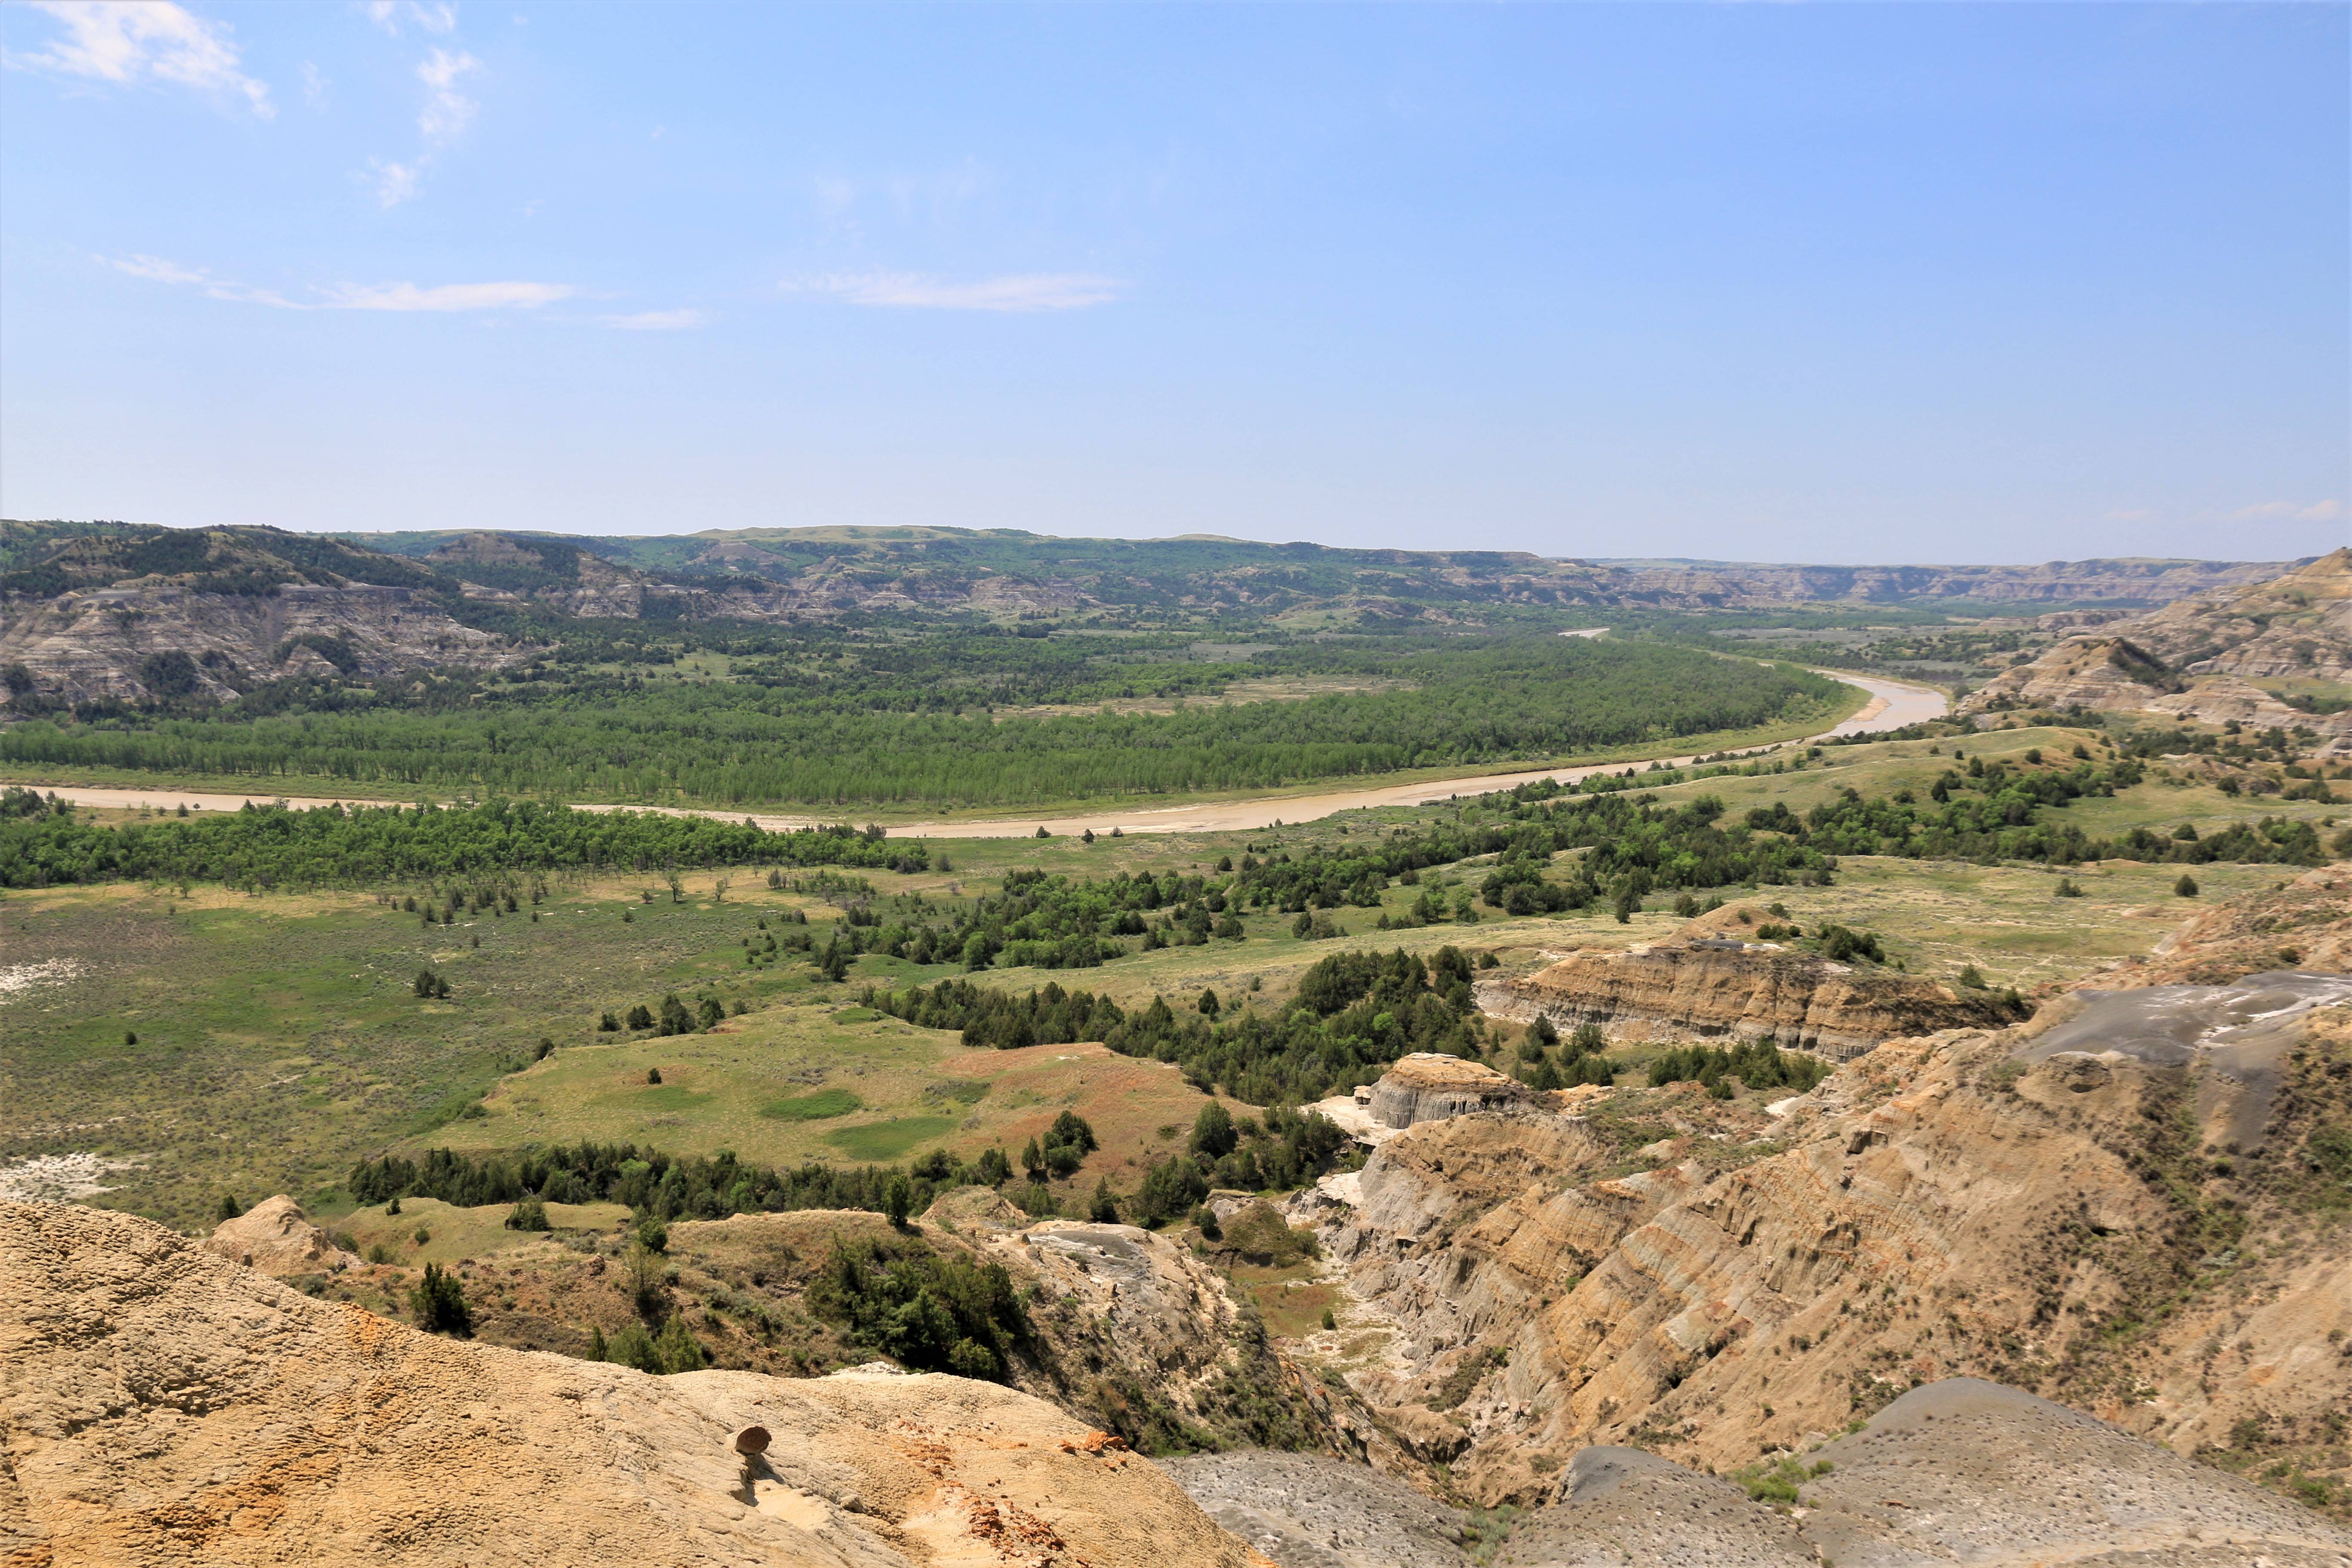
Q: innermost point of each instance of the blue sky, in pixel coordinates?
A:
(1841, 283)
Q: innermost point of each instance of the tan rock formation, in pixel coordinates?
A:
(1705, 982)
(2203, 658)
(162, 1405)
(1428, 1085)
(276, 1238)
(2070, 1219)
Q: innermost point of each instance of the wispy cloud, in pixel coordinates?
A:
(448, 297)
(2291, 512)
(314, 86)
(394, 182)
(445, 297)
(131, 41)
(390, 14)
(1023, 292)
(157, 270)
(656, 321)
(446, 109)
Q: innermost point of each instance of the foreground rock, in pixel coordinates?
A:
(160, 1405)
(1715, 977)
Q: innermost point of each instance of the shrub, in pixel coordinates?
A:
(926, 1311)
(635, 1347)
(1213, 1132)
(529, 1214)
(679, 1350)
(2187, 887)
(439, 1303)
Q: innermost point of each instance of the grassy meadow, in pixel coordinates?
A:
(214, 1042)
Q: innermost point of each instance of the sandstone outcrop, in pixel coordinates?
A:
(1708, 981)
(277, 1237)
(1429, 1085)
(160, 1405)
(2203, 658)
(2071, 1221)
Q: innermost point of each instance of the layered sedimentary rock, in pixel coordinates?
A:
(1428, 1085)
(160, 1405)
(119, 641)
(1705, 982)
(2056, 1205)
(2203, 658)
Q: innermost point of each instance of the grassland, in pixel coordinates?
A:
(213, 1042)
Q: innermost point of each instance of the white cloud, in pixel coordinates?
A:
(446, 109)
(130, 41)
(445, 297)
(314, 86)
(448, 297)
(394, 182)
(2291, 512)
(389, 14)
(1023, 292)
(156, 269)
(658, 320)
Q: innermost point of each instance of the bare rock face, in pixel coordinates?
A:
(2203, 658)
(1960, 1471)
(159, 1405)
(1309, 1510)
(2035, 1205)
(1623, 1507)
(276, 1238)
(111, 642)
(1705, 980)
(1970, 1471)
(1429, 1085)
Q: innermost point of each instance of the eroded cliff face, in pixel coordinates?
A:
(1711, 978)
(2203, 658)
(160, 1405)
(1427, 1086)
(100, 642)
(2070, 1221)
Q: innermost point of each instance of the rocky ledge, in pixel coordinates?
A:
(1709, 980)
(1430, 1087)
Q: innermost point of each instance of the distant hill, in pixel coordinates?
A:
(2271, 654)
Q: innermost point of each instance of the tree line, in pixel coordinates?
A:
(43, 842)
(734, 743)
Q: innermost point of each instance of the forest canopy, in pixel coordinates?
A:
(900, 731)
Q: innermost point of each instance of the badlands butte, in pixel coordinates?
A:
(1925, 1145)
